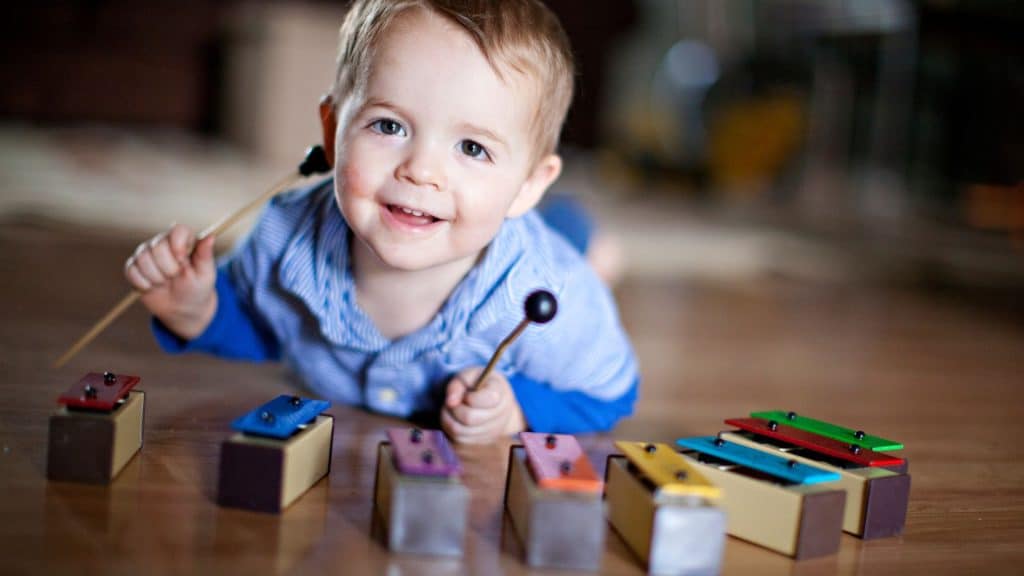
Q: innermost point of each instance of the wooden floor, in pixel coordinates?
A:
(944, 378)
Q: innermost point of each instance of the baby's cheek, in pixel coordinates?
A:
(471, 239)
(349, 179)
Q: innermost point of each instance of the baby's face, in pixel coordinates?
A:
(435, 154)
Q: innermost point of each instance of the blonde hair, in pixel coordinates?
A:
(518, 35)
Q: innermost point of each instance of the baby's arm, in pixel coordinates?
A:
(177, 287)
(482, 415)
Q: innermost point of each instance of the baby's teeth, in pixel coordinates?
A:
(412, 212)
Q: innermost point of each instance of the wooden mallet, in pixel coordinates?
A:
(315, 162)
(540, 307)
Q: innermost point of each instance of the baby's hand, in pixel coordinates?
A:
(177, 289)
(481, 416)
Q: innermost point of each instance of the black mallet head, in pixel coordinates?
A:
(541, 306)
(315, 162)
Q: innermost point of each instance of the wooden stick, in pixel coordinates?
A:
(230, 220)
(116, 311)
(497, 354)
(214, 229)
(540, 307)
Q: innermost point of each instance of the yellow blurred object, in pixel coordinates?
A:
(647, 131)
(750, 141)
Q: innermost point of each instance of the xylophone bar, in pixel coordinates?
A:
(849, 452)
(559, 525)
(797, 519)
(664, 510)
(280, 451)
(830, 430)
(876, 498)
(93, 446)
(426, 511)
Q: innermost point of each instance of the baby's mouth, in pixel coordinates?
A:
(411, 216)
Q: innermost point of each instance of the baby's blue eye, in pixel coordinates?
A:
(474, 149)
(388, 127)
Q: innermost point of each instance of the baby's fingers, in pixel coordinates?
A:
(143, 263)
(163, 258)
(456, 392)
(462, 433)
(202, 258)
(473, 416)
(135, 278)
(181, 238)
(487, 397)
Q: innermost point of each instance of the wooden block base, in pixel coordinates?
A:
(558, 529)
(419, 514)
(93, 447)
(266, 475)
(798, 520)
(876, 498)
(671, 534)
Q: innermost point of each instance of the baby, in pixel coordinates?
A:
(390, 285)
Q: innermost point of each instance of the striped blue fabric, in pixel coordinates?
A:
(292, 276)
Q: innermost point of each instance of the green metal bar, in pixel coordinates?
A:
(828, 430)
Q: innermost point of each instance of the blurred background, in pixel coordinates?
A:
(832, 141)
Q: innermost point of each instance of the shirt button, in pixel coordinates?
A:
(387, 395)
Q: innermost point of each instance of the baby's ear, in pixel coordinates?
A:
(544, 173)
(329, 125)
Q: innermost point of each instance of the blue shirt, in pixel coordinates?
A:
(287, 292)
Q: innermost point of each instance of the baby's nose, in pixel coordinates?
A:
(424, 166)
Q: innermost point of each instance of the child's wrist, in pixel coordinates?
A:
(189, 324)
(517, 421)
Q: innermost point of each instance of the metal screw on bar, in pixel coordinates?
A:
(427, 457)
(416, 435)
(551, 441)
(109, 378)
(90, 392)
(791, 463)
(719, 442)
(295, 401)
(854, 448)
(859, 434)
(650, 448)
(565, 467)
(267, 417)
(540, 307)
(791, 415)
(681, 475)
(773, 425)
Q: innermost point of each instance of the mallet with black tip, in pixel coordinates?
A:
(540, 307)
(314, 162)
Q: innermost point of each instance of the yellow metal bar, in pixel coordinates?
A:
(668, 470)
